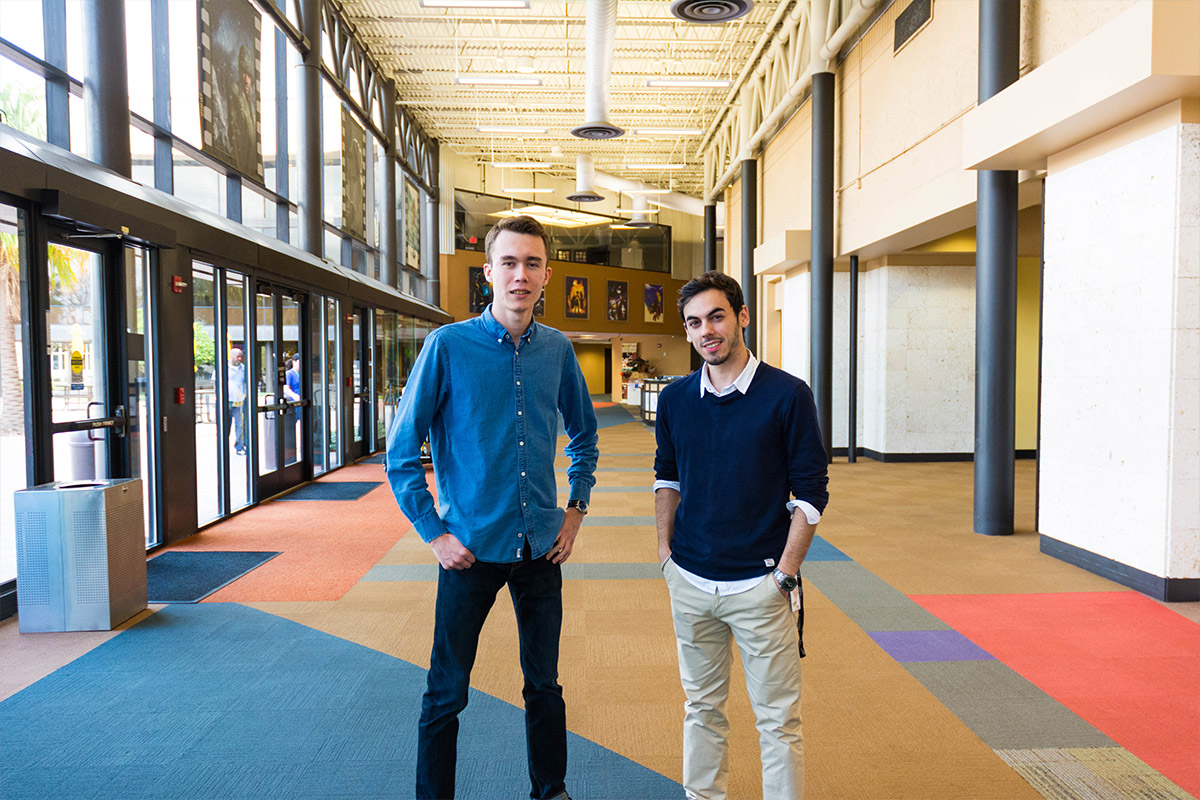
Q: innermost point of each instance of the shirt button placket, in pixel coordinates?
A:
(522, 483)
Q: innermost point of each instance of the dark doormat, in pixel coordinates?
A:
(189, 576)
(332, 490)
(378, 458)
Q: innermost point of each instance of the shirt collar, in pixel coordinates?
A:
(498, 331)
(741, 384)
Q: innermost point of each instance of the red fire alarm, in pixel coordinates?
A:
(180, 396)
(177, 284)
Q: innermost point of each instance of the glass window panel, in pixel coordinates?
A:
(198, 184)
(139, 55)
(237, 421)
(13, 259)
(204, 342)
(295, 124)
(257, 211)
(331, 144)
(75, 66)
(21, 24)
(77, 125)
(266, 381)
(141, 147)
(185, 70)
(294, 226)
(139, 403)
(22, 99)
(333, 247)
(267, 95)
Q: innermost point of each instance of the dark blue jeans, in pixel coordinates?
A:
(464, 598)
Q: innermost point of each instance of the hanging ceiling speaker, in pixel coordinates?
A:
(710, 10)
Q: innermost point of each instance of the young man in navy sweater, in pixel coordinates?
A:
(741, 476)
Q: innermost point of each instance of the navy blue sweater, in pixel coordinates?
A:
(738, 459)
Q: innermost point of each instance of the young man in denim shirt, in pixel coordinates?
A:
(487, 393)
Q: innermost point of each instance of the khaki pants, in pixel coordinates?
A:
(763, 625)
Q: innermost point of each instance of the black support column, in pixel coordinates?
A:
(821, 266)
(308, 160)
(710, 237)
(749, 242)
(389, 223)
(106, 85)
(852, 430)
(996, 289)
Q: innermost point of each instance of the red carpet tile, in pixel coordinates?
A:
(1127, 665)
(600, 404)
(326, 546)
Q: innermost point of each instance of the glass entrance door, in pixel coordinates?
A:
(282, 390)
(86, 413)
(362, 442)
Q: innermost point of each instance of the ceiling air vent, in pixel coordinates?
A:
(710, 10)
(585, 177)
(597, 130)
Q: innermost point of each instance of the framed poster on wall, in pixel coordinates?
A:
(654, 302)
(230, 57)
(618, 301)
(412, 226)
(577, 298)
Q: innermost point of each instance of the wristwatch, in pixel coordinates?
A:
(786, 582)
(579, 505)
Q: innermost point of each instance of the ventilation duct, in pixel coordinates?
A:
(676, 201)
(601, 35)
(708, 11)
(585, 179)
(641, 213)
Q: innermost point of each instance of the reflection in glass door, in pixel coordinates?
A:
(139, 379)
(80, 412)
(282, 390)
(363, 439)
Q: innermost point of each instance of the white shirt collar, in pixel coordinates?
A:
(741, 384)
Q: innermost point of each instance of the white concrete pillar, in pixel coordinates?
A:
(1119, 485)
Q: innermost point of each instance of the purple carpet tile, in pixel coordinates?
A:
(909, 646)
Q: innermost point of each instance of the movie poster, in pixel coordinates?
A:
(354, 176)
(618, 301)
(412, 226)
(479, 293)
(577, 298)
(230, 41)
(539, 308)
(654, 302)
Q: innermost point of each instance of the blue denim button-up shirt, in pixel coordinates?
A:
(490, 410)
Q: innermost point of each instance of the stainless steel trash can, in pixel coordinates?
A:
(81, 555)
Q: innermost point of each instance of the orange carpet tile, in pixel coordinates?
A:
(327, 545)
(1119, 660)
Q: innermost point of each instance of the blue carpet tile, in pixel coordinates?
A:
(219, 700)
(182, 576)
(332, 490)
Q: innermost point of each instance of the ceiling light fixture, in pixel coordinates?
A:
(556, 217)
(497, 80)
(510, 129)
(474, 3)
(667, 131)
(525, 65)
(520, 164)
(655, 166)
(688, 83)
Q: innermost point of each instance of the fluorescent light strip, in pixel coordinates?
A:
(655, 166)
(667, 132)
(497, 80)
(527, 190)
(509, 129)
(687, 83)
(520, 164)
(474, 3)
(647, 191)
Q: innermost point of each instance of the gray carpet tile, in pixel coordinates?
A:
(1003, 709)
(873, 604)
